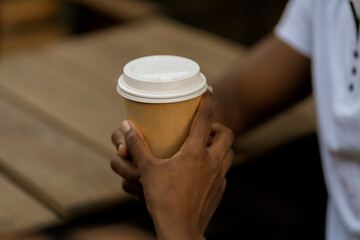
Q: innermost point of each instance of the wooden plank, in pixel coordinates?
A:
(20, 212)
(15, 12)
(154, 36)
(74, 100)
(67, 175)
(35, 38)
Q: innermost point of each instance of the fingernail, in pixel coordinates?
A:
(125, 127)
(211, 89)
(121, 148)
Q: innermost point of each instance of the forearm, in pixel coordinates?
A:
(271, 77)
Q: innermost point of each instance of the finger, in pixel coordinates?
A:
(133, 189)
(136, 145)
(118, 140)
(222, 140)
(227, 162)
(125, 168)
(201, 126)
(123, 151)
(116, 137)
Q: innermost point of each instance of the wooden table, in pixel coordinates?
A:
(59, 106)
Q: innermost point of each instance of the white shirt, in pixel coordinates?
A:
(325, 31)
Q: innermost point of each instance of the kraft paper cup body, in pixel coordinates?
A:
(161, 95)
(165, 126)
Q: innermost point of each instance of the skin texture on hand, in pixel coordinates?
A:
(182, 192)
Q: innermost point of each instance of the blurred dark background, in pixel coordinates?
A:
(241, 21)
(26, 23)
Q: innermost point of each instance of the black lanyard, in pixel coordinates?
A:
(356, 19)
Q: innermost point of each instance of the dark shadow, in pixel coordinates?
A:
(280, 195)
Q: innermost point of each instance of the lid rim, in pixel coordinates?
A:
(161, 100)
(128, 89)
(137, 86)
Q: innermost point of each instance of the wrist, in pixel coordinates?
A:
(168, 230)
(177, 235)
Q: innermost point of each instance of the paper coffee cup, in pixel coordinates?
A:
(161, 96)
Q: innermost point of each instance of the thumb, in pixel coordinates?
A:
(136, 144)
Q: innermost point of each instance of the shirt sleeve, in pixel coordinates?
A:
(295, 26)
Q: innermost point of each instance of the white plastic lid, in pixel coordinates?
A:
(161, 79)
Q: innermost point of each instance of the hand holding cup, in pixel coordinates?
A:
(181, 192)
